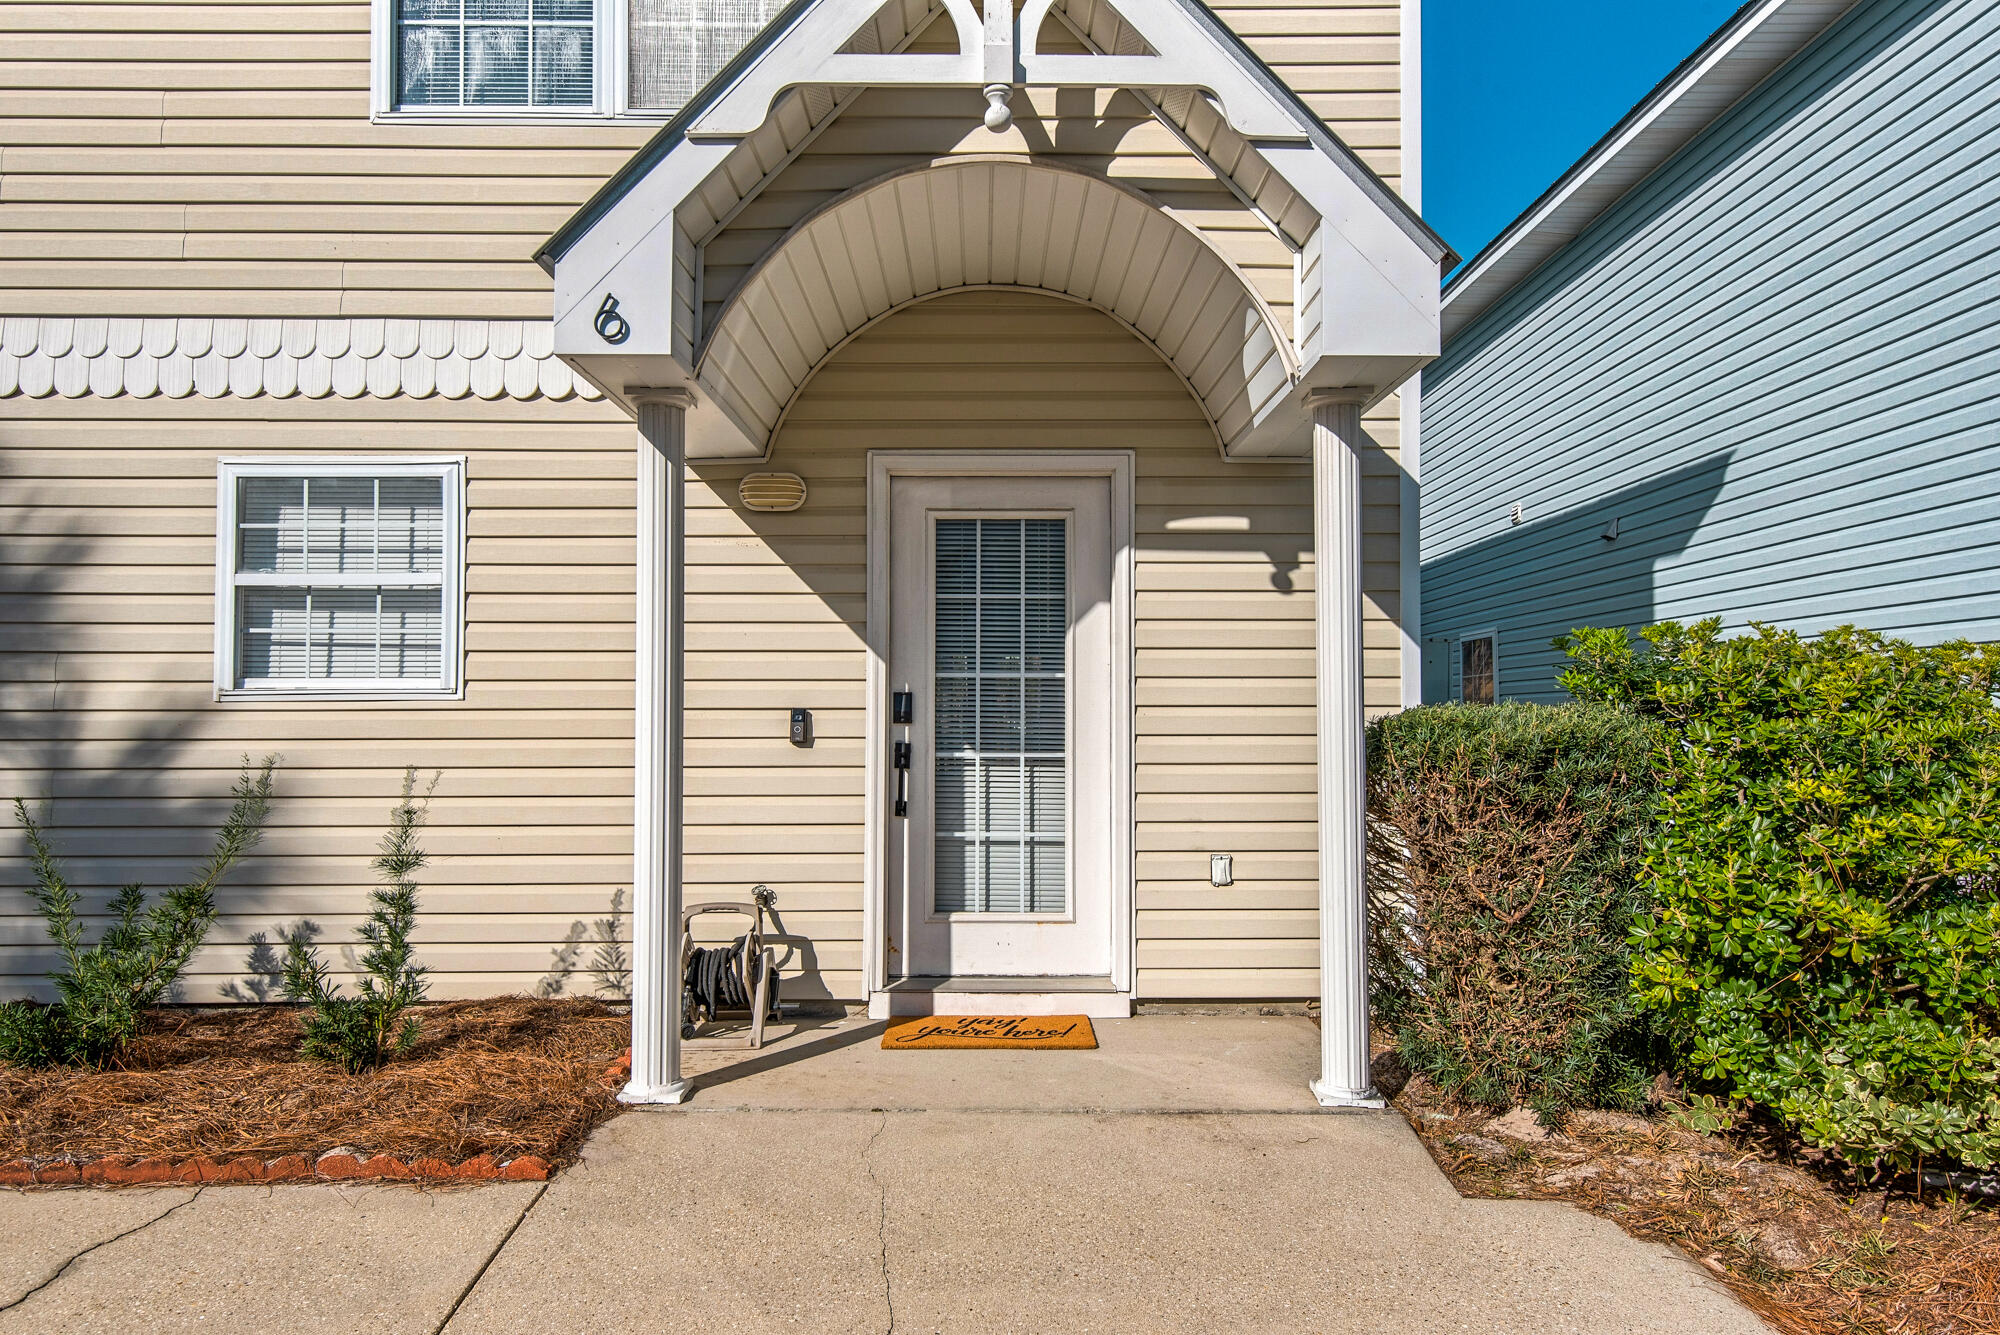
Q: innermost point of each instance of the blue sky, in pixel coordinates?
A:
(1517, 90)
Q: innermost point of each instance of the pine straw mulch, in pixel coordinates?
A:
(1809, 1253)
(508, 1076)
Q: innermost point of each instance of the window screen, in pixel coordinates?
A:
(343, 580)
(1002, 736)
(677, 46)
(495, 53)
(1475, 662)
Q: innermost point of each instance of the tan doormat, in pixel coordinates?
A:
(990, 1031)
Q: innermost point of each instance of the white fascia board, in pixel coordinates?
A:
(628, 254)
(1378, 290)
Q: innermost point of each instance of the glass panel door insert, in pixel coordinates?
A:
(1002, 736)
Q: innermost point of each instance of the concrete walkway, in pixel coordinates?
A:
(1178, 1179)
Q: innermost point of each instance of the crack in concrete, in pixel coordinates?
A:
(881, 1222)
(63, 1269)
(491, 1257)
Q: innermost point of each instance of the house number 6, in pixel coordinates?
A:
(611, 326)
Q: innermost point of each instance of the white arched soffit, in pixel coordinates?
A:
(930, 230)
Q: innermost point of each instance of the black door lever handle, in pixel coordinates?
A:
(902, 778)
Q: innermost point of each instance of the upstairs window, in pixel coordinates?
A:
(339, 577)
(496, 53)
(1477, 679)
(556, 57)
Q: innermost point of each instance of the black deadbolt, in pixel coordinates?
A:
(902, 707)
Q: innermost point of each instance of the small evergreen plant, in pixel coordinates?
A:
(102, 991)
(1824, 938)
(362, 1030)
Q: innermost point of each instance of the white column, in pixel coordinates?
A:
(1343, 909)
(658, 730)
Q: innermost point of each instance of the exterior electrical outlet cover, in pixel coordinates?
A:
(772, 491)
(1219, 869)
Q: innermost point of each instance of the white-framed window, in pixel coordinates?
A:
(339, 578)
(553, 59)
(1479, 668)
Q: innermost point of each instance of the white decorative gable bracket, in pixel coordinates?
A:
(1000, 52)
(628, 268)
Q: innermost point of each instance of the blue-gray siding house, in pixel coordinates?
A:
(1743, 360)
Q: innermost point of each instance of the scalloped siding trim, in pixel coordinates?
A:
(72, 357)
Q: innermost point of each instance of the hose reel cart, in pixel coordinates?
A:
(740, 977)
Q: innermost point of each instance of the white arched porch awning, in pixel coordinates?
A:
(990, 222)
(634, 315)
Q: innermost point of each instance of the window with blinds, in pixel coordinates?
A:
(496, 53)
(341, 577)
(1001, 679)
(674, 47)
(529, 55)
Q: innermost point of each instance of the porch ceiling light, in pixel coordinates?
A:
(772, 491)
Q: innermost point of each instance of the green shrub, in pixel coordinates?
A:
(364, 1030)
(102, 991)
(1826, 936)
(1510, 833)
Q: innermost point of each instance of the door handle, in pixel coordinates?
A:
(902, 778)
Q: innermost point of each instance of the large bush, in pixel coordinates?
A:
(1503, 841)
(1826, 935)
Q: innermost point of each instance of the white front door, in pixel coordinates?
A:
(1001, 861)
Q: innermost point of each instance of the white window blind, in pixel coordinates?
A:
(1002, 724)
(496, 53)
(524, 56)
(677, 46)
(340, 577)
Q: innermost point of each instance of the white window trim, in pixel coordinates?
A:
(1458, 663)
(610, 48)
(450, 469)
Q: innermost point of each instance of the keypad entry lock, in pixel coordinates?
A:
(902, 778)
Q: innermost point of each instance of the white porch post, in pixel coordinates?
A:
(1344, 1080)
(658, 730)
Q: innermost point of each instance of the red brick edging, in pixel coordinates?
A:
(123, 1170)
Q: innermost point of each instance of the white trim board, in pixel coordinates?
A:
(143, 357)
(450, 469)
(883, 465)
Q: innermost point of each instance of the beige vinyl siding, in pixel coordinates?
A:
(209, 159)
(1344, 60)
(218, 159)
(107, 578)
(106, 584)
(1224, 635)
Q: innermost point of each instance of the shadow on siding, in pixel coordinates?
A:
(1544, 577)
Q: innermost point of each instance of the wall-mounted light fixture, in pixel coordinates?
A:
(772, 491)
